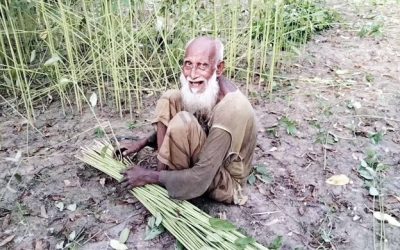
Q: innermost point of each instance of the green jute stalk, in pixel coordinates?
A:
(187, 223)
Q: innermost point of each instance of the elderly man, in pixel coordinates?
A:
(205, 132)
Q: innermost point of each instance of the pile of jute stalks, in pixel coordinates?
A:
(193, 228)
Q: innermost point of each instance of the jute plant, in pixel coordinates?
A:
(192, 227)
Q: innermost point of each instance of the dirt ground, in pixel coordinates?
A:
(339, 91)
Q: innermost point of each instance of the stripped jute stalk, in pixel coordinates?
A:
(186, 222)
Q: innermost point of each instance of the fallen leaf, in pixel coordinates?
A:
(123, 237)
(373, 191)
(93, 99)
(54, 59)
(64, 80)
(60, 205)
(43, 212)
(16, 158)
(33, 56)
(338, 180)
(7, 240)
(385, 217)
(71, 207)
(273, 149)
(60, 245)
(102, 181)
(341, 71)
(72, 236)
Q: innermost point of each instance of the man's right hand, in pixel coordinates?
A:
(127, 148)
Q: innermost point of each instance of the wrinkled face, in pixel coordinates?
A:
(198, 68)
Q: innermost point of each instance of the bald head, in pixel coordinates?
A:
(212, 48)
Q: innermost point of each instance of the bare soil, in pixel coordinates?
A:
(339, 91)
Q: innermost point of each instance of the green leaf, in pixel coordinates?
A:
(123, 237)
(376, 138)
(291, 130)
(251, 179)
(54, 59)
(151, 222)
(367, 172)
(151, 233)
(159, 219)
(364, 164)
(243, 242)
(262, 170)
(276, 244)
(223, 225)
(264, 178)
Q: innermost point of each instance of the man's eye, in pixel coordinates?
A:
(203, 66)
(188, 64)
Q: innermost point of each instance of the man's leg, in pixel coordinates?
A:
(181, 149)
(182, 143)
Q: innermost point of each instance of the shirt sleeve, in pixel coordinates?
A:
(192, 182)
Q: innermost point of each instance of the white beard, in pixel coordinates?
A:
(202, 103)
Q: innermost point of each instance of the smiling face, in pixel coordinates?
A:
(199, 64)
(200, 87)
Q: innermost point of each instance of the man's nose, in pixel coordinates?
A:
(193, 73)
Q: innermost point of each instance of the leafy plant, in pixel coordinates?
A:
(99, 132)
(277, 243)
(154, 227)
(373, 29)
(290, 125)
(370, 168)
(376, 138)
(260, 172)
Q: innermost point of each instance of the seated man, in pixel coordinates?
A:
(205, 132)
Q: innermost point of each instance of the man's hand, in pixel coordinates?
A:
(137, 177)
(127, 147)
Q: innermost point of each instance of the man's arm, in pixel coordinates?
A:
(192, 182)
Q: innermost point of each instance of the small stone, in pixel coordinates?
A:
(356, 218)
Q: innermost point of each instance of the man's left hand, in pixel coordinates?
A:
(136, 176)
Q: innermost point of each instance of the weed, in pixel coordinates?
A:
(290, 125)
(369, 77)
(132, 125)
(277, 243)
(374, 29)
(99, 132)
(261, 173)
(324, 137)
(376, 138)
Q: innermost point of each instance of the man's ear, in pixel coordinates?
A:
(220, 68)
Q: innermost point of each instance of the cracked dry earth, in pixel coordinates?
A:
(339, 91)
